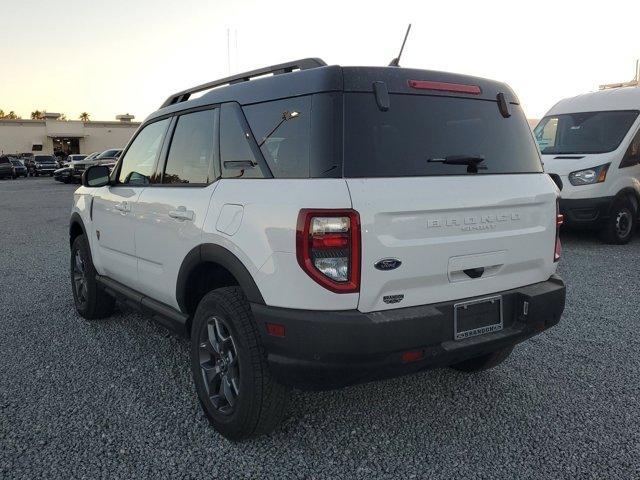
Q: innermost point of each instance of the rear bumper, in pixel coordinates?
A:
(332, 349)
(586, 212)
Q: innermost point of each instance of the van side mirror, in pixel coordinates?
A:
(96, 176)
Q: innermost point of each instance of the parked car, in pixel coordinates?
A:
(42, 165)
(74, 158)
(6, 169)
(19, 170)
(592, 142)
(108, 157)
(404, 222)
(64, 174)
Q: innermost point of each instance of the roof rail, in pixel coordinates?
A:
(302, 64)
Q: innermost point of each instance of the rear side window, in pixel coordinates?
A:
(4, 160)
(139, 161)
(236, 155)
(400, 142)
(300, 137)
(191, 153)
(281, 129)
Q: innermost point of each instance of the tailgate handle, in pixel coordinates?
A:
(474, 272)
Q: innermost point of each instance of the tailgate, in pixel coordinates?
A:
(455, 236)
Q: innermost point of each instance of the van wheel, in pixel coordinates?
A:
(91, 302)
(230, 369)
(484, 362)
(621, 224)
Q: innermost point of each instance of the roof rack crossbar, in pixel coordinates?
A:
(302, 64)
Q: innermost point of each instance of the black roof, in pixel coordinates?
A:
(316, 77)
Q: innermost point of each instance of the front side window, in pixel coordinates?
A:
(191, 153)
(584, 132)
(236, 155)
(139, 161)
(282, 131)
(632, 155)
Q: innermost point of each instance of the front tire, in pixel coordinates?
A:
(621, 225)
(229, 367)
(91, 302)
(483, 362)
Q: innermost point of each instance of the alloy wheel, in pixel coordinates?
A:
(219, 365)
(80, 278)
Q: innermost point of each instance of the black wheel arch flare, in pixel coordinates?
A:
(210, 253)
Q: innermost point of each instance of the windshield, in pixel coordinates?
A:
(587, 132)
(419, 128)
(17, 163)
(44, 158)
(75, 158)
(108, 154)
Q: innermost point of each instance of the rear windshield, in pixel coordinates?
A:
(401, 141)
(586, 132)
(44, 158)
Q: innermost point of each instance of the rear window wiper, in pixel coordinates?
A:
(471, 161)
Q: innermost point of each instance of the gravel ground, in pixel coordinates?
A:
(114, 399)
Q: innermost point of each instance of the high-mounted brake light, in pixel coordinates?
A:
(559, 221)
(328, 248)
(445, 87)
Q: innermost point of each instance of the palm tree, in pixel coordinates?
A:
(84, 116)
(62, 117)
(36, 115)
(12, 115)
(1, 113)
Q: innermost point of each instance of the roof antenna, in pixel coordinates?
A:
(396, 61)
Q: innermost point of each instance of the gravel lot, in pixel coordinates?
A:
(114, 399)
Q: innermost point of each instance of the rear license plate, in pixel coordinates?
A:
(477, 317)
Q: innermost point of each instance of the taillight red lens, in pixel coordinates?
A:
(557, 253)
(328, 248)
(445, 87)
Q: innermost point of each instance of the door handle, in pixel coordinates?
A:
(181, 213)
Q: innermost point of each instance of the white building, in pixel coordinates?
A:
(51, 134)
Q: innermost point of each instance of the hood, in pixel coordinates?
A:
(564, 164)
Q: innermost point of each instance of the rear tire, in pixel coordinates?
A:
(230, 370)
(483, 362)
(91, 302)
(621, 224)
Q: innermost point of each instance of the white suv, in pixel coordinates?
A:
(324, 226)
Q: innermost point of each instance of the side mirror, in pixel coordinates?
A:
(96, 176)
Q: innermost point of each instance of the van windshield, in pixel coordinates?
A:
(583, 133)
(418, 132)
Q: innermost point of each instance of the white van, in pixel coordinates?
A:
(592, 142)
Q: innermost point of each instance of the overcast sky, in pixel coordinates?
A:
(125, 56)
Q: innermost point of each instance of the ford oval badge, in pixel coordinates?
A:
(387, 264)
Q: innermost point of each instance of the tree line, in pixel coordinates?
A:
(39, 115)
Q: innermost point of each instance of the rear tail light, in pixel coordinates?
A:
(328, 248)
(559, 221)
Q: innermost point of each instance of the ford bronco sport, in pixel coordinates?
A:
(323, 226)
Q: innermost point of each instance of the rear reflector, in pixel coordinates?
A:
(412, 356)
(275, 330)
(445, 87)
